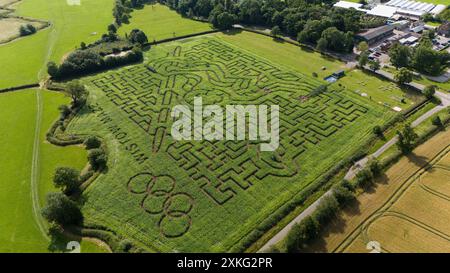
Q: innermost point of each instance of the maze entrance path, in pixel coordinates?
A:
(215, 192)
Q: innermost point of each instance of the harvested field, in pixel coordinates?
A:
(407, 191)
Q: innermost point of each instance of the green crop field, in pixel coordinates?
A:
(159, 22)
(27, 56)
(20, 232)
(207, 196)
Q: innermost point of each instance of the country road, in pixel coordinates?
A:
(445, 102)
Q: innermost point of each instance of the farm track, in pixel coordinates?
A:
(35, 169)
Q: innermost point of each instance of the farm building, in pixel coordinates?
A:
(415, 9)
(407, 8)
(408, 41)
(382, 11)
(376, 34)
(347, 5)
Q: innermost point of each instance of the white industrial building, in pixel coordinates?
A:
(407, 8)
(414, 8)
(382, 11)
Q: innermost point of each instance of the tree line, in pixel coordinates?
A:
(309, 21)
(85, 60)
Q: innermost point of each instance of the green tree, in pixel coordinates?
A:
(363, 59)
(374, 65)
(52, 69)
(137, 36)
(301, 234)
(226, 20)
(98, 159)
(364, 178)
(343, 195)
(203, 7)
(276, 31)
(400, 55)
(363, 46)
(67, 179)
(326, 210)
(428, 61)
(92, 142)
(429, 91)
(337, 40)
(403, 76)
(406, 138)
(436, 121)
(322, 44)
(374, 167)
(377, 131)
(77, 92)
(112, 28)
(61, 210)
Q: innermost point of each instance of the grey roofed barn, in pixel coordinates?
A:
(375, 34)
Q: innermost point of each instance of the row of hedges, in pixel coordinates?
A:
(56, 135)
(181, 37)
(21, 87)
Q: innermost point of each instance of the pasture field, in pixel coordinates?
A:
(207, 196)
(23, 68)
(363, 222)
(27, 57)
(20, 232)
(160, 22)
(306, 62)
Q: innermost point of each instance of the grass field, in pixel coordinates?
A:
(159, 22)
(213, 193)
(24, 67)
(20, 232)
(70, 26)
